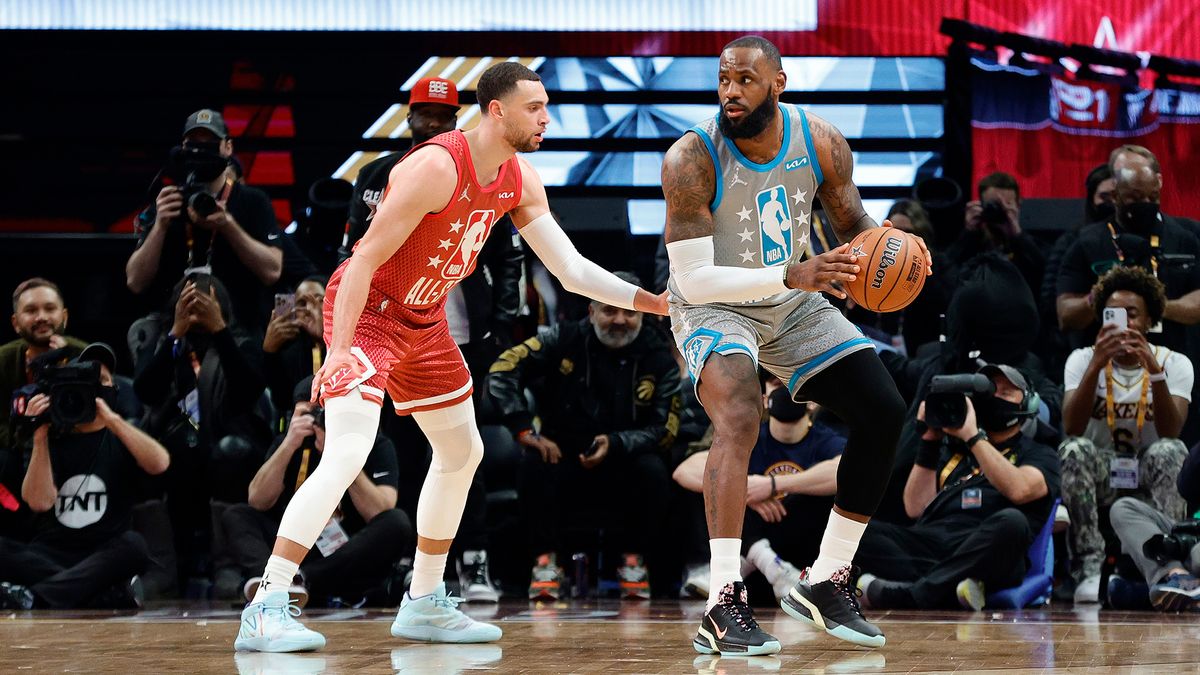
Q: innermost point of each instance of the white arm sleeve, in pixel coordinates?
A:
(700, 281)
(577, 273)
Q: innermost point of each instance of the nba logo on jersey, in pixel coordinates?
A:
(479, 224)
(775, 226)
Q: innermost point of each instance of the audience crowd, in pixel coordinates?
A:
(1046, 392)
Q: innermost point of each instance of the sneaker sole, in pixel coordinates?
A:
(840, 632)
(431, 634)
(262, 644)
(1171, 600)
(765, 649)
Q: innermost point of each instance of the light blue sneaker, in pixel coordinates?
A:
(269, 626)
(436, 618)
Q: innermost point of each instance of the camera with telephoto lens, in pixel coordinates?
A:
(946, 403)
(1176, 546)
(72, 389)
(994, 213)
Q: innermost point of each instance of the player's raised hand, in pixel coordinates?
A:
(341, 371)
(820, 273)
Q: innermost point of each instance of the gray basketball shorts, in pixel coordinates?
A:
(793, 341)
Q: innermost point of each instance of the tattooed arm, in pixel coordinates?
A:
(688, 180)
(837, 192)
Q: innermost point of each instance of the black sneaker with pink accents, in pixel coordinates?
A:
(729, 627)
(832, 606)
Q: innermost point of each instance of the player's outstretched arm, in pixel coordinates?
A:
(538, 228)
(421, 184)
(688, 177)
(838, 194)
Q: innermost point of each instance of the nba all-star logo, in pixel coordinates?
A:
(474, 233)
(775, 226)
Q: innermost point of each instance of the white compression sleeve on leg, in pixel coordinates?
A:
(577, 273)
(350, 425)
(457, 451)
(700, 281)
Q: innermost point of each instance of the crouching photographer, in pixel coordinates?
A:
(80, 482)
(980, 489)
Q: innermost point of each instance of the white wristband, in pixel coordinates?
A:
(1160, 376)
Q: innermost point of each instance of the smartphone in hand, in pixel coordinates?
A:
(1117, 316)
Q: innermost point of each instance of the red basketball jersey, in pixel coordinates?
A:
(442, 250)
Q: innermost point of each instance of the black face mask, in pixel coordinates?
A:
(108, 394)
(1141, 216)
(781, 406)
(1105, 211)
(997, 414)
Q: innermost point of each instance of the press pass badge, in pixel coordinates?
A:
(972, 498)
(332, 538)
(1123, 473)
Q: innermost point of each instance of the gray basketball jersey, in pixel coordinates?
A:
(761, 212)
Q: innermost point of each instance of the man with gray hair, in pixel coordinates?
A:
(606, 389)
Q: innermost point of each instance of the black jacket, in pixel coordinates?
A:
(584, 389)
(492, 292)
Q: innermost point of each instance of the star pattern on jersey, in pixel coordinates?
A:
(435, 261)
(445, 243)
(747, 255)
(464, 197)
(745, 234)
(744, 214)
(456, 225)
(801, 196)
(803, 218)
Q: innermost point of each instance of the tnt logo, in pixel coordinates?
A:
(438, 89)
(82, 501)
(775, 225)
(479, 224)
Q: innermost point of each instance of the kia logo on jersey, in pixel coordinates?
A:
(479, 224)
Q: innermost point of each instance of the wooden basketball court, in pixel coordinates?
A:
(603, 637)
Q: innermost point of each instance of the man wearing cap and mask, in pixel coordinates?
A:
(480, 312)
(789, 490)
(979, 492)
(1141, 235)
(81, 482)
(238, 242)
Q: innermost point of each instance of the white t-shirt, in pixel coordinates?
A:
(1127, 390)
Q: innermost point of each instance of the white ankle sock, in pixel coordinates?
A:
(765, 560)
(838, 547)
(427, 573)
(279, 574)
(724, 567)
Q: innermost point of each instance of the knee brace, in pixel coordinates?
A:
(350, 426)
(457, 451)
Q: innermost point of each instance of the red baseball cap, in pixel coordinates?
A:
(434, 90)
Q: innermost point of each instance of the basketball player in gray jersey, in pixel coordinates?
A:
(739, 191)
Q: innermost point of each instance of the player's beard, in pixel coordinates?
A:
(753, 123)
(520, 140)
(616, 338)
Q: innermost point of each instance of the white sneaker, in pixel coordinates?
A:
(1088, 590)
(270, 626)
(1062, 519)
(788, 577)
(436, 618)
(474, 579)
(696, 584)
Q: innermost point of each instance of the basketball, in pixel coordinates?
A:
(893, 269)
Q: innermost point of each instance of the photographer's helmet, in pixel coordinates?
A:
(996, 414)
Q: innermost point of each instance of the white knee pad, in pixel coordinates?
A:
(350, 426)
(457, 451)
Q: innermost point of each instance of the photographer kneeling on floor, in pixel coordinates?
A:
(80, 482)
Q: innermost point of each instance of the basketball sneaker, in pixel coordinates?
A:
(970, 594)
(437, 618)
(729, 627)
(635, 580)
(832, 606)
(270, 626)
(547, 579)
(473, 576)
(1176, 592)
(696, 583)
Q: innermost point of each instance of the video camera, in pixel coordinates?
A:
(72, 388)
(1176, 546)
(946, 403)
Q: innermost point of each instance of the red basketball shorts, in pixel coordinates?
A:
(406, 352)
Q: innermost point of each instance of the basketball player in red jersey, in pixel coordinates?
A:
(386, 329)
